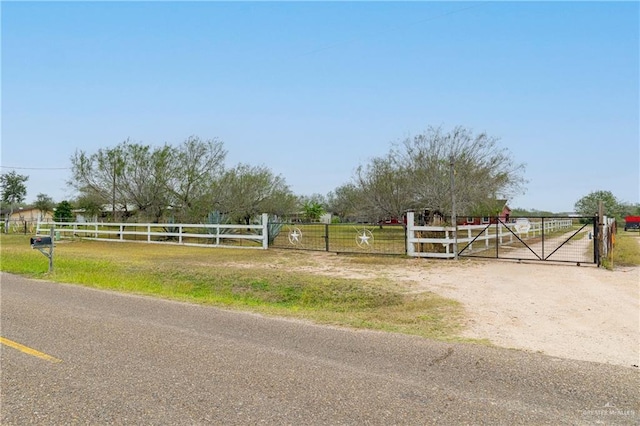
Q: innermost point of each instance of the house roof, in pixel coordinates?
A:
(17, 209)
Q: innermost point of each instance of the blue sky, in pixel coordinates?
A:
(314, 89)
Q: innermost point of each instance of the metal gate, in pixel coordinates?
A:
(339, 237)
(556, 239)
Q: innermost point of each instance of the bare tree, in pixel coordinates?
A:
(151, 179)
(194, 169)
(346, 202)
(416, 174)
(483, 170)
(146, 178)
(385, 189)
(100, 175)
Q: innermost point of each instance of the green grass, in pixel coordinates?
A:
(274, 282)
(626, 251)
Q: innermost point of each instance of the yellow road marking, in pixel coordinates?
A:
(28, 350)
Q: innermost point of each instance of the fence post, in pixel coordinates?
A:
(410, 234)
(52, 233)
(542, 235)
(596, 240)
(265, 231)
(326, 237)
(454, 218)
(497, 240)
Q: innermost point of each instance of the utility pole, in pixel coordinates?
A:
(113, 194)
(454, 218)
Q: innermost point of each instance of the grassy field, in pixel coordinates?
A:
(626, 251)
(241, 279)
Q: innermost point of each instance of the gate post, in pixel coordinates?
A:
(542, 231)
(410, 235)
(596, 240)
(601, 242)
(265, 231)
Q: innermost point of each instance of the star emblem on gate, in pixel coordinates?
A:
(364, 239)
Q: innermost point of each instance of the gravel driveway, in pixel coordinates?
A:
(576, 312)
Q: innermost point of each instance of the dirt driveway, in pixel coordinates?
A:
(578, 312)
(567, 311)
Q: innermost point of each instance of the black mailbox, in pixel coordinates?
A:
(40, 242)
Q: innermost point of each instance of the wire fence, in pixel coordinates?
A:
(341, 237)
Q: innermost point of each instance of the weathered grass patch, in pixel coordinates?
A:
(626, 251)
(240, 279)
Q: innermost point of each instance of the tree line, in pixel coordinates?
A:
(190, 183)
(184, 183)
(432, 170)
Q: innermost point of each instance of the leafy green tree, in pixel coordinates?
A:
(588, 205)
(13, 187)
(44, 204)
(313, 206)
(63, 212)
(632, 209)
(246, 191)
(313, 211)
(518, 212)
(91, 206)
(13, 190)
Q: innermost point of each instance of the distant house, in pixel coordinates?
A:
(30, 214)
(487, 213)
(23, 218)
(301, 217)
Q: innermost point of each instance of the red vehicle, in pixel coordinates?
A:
(631, 222)
(393, 221)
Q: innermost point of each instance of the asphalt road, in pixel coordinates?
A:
(137, 360)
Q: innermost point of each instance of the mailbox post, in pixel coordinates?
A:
(43, 243)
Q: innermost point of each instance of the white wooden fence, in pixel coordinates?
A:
(440, 243)
(469, 233)
(204, 235)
